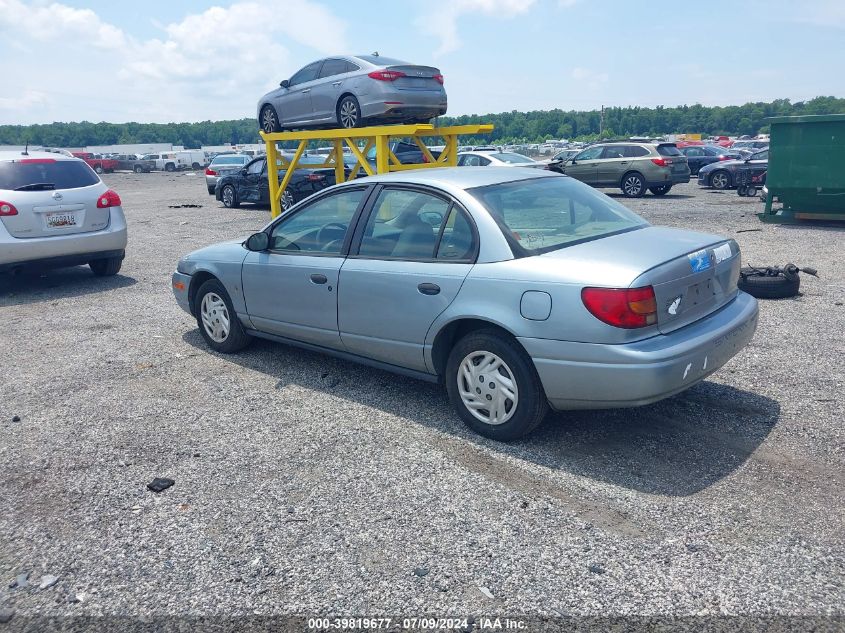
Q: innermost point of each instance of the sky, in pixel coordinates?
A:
(185, 60)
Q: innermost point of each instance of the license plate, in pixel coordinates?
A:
(61, 220)
(698, 261)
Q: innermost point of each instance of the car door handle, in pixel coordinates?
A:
(318, 278)
(336, 83)
(624, 162)
(306, 90)
(429, 289)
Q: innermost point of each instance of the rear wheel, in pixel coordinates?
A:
(106, 267)
(494, 387)
(269, 121)
(349, 112)
(195, 165)
(633, 185)
(720, 179)
(217, 321)
(210, 191)
(170, 167)
(138, 169)
(99, 169)
(229, 197)
(287, 200)
(662, 190)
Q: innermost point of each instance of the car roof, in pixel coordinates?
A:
(460, 177)
(9, 156)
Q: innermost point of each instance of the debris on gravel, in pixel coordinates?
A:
(160, 483)
(47, 581)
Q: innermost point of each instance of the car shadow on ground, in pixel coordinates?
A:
(676, 447)
(60, 283)
(668, 196)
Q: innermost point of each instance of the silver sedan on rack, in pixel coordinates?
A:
(518, 288)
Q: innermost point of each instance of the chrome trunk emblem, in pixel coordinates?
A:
(57, 196)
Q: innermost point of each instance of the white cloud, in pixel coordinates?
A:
(592, 79)
(444, 24)
(204, 55)
(20, 103)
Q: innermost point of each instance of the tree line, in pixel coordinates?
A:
(510, 127)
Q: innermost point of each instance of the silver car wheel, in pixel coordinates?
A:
(228, 195)
(268, 120)
(719, 180)
(348, 114)
(215, 317)
(287, 200)
(487, 387)
(632, 186)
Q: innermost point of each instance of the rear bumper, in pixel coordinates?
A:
(62, 261)
(591, 376)
(416, 104)
(79, 247)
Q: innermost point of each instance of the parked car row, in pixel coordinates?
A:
(723, 174)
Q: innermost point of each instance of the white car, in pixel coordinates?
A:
(496, 159)
(56, 212)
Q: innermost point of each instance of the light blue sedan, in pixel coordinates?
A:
(520, 289)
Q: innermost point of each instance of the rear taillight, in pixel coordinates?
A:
(661, 162)
(723, 157)
(315, 177)
(7, 209)
(108, 199)
(438, 79)
(38, 161)
(210, 172)
(622, 307)
(386, 75)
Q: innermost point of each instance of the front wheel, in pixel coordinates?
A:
(269, 121)
(229, 197)
(217, 321)
(106, 267)
(494, 387)
(720, 179)
(662, 190)
(633, 185)
(349, 112)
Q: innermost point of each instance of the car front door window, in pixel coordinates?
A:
(320, 227)
(591, 153)
(309, 73)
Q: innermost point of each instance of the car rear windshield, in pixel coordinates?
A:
(511, 157)
(538, 215)
(230, 160)
(50, 173)
(668, 150)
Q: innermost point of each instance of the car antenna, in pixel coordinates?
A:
(375, 53)
(25, 151)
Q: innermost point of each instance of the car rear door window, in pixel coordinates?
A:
(457, 240)
(333, 67)
(693, 152)
(634, 151)
(614, 151)
(668, 150)
(46, 173)
(404, 224)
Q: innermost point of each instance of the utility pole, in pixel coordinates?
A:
(601, 122)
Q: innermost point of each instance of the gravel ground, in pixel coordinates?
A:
(308, 485)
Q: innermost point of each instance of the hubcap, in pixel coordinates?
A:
(487, 388)
(632, 185)
(720, 181)
(348, 114)
(215, 317)
(228, 196)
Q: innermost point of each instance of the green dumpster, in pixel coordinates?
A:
(806, 169)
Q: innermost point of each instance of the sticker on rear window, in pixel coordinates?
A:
(722, 253)
(698, 261)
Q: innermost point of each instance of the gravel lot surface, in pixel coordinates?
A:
(308, 485)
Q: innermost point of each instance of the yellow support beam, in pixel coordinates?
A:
(375, 136)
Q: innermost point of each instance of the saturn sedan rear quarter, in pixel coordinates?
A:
(519, 289)
(55, 211)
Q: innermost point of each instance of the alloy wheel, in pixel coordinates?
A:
(287, 200)
(268, 120)
(215, 317)
(487, 387)
(228, 195)
(719, 180)
(348, 113)
(632, 186)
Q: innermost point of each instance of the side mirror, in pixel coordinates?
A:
(243, 171)
(257, 242)
(284, 83)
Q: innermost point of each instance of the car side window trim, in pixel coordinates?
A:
(364, 217)
(353, 223)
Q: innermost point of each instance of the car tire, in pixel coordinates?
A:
(195, 165)
(106, 267)
(98, 169)
(210, 190)
(138, 169)
(269, 121)
(764, 286)
(287, 200)
(217, 321)
(229, 197)
(720, 179)
(662, 190)
(349, 112)
(633, 185)
(528, 404)
(170, 167)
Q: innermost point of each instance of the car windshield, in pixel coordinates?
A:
(764, 155)
(544, 214)
(45, 173)
(510, 157)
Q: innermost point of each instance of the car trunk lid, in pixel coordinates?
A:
(40, 214)
(417, 77)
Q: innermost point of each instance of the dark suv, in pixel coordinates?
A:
(633, 167)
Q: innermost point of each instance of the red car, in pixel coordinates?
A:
(97, 164)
